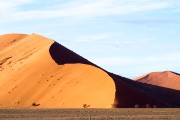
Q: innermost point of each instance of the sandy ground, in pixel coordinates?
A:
(89, 114)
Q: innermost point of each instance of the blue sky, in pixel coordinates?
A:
(127, 37)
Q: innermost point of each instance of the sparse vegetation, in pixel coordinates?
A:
(34, 104)
(86, 105)
(136, 106)
(113, 105)
(154, 106)
(17, 102)
(147, 105)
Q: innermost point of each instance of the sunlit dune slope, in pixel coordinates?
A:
(29, 74)
(9, 39)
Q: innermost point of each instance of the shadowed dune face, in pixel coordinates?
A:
(164, 79)
(61, 55)
(128, 93)
(175, 73)
(31, 78)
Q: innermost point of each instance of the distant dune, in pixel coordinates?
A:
(36, 71)
(165, 79)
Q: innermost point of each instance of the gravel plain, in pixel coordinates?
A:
(90, 114)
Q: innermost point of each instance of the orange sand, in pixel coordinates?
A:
(29, 75)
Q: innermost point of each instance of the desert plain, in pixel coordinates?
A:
(90, 114)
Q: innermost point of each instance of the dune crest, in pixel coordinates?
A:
(8, 39)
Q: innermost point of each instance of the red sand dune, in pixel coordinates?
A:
(165, 79)
(28, 75)
(35, 69)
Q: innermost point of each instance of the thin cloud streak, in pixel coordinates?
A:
(90, 38)
(10, 5)
(88, 9)
(128, 61)
(165, 21)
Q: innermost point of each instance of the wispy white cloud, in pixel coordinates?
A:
(90, 38)
(134, 61)
(9, 5)
(136, 66)
(78, 9)
(152, 21)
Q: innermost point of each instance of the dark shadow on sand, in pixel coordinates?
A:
(175, 73)
(61, 55)
(128, 92)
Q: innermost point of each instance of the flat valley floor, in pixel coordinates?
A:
(90, 114)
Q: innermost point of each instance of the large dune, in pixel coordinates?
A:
(29, 74)
(165, 79)
(38, 72)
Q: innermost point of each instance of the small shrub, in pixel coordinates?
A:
(18, 102)
(113, 105)
(34, 104)
(86, 105)
(147, 105)
(136, 106)
(154, 106)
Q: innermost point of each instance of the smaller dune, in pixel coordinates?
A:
(165, 79)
